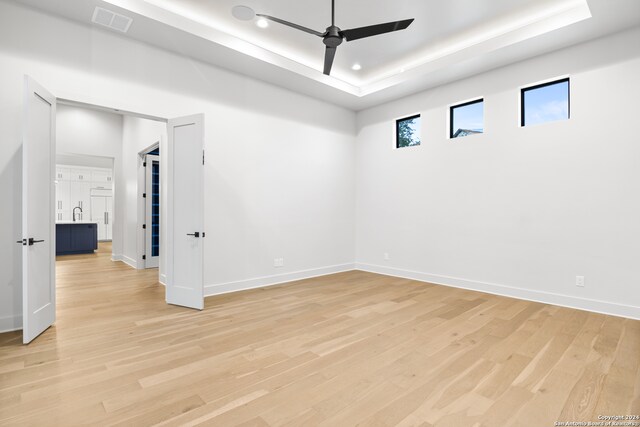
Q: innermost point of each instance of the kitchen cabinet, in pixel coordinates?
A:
(74, 188)
(76, 238)
(80, 175)
(63, 174)
(63, 196)
(81, 197)
(102, 213)
(101, 177)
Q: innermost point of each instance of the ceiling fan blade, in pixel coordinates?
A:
(374, 30)
(329, 54)
(291, 24)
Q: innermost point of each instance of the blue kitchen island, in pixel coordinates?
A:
(76, 238)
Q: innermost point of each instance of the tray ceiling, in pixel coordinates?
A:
(448, 39)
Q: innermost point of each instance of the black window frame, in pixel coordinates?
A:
(524, 90)
(464, 104)
(415, 116)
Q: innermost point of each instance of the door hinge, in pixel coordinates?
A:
(203, 157)
(144, 257)
(144, 164)
(144, 195)
(144, 226)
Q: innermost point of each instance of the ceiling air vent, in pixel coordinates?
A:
(111, 20)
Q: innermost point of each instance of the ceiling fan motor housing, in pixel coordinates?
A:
(333, 37)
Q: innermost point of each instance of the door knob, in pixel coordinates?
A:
(196, 234)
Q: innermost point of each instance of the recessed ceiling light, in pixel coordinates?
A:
(243, 13)
(356, 67)
(262, 23)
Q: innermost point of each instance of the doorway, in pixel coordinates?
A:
(150, 215)
(84, 195)
(184, 184)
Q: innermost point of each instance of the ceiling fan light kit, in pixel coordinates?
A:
(333, 36)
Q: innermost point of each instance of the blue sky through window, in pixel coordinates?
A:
(546, 104)
(468, 118)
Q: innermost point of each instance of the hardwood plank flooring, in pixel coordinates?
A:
(342, 350)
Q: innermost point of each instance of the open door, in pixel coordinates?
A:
(152, 211)
(185, 211)
(38, 211)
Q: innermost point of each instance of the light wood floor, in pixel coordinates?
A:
(341, 350)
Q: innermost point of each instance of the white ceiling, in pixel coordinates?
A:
(435, 23)
(449, 39)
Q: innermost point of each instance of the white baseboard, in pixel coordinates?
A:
(163, 279)
(10, 323)
(123, 258)
(603, 307)
(276, 279)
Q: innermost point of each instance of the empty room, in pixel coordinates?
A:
(320, 213)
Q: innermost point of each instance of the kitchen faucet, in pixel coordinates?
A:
(74, 212)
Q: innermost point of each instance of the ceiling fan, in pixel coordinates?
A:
(333, 36)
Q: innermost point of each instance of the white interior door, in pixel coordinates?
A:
(152, 212)
(38, 211)
(185, 211)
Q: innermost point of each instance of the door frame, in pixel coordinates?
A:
(117, 170)
(28, 83)
(141, 201)
(163, 176)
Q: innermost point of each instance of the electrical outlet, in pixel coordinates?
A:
(278, 262)
(580, 281)
(386, 256)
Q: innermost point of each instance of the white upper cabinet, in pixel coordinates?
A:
(81, 175)
(101, 176)
(74, 188)
(63, 174)
(81, 198)
(63, 195)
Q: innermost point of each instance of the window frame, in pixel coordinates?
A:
(397, 127)
(525, 89)
(464, 104)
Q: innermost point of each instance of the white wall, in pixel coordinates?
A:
(85, 161)
(280, 180)
(88, 132)
(515, 211)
